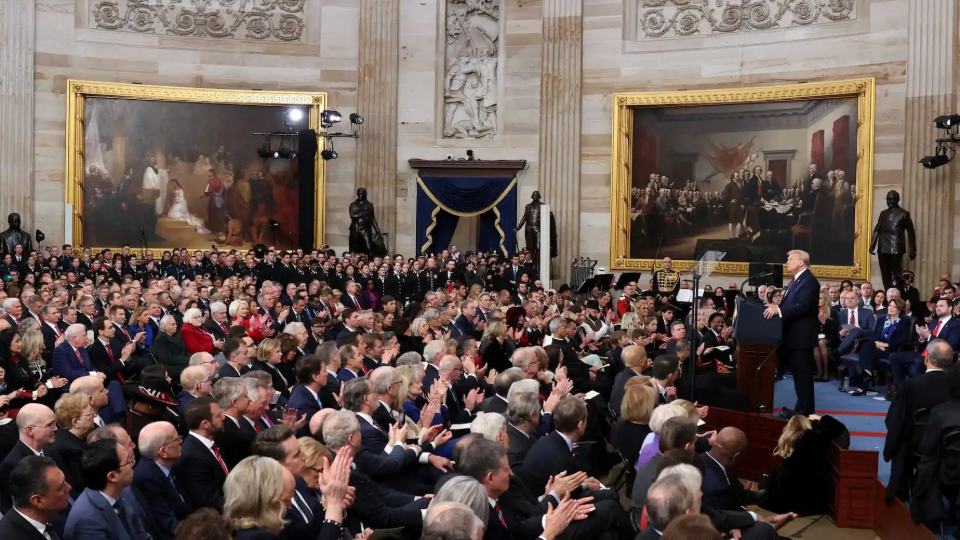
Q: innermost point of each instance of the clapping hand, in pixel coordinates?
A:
(562, 388)
(430, 434)
(339, 397)
(564, 483)
(335, 481)
(474, 398)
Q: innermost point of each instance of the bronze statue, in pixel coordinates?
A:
(13, 236)
(365, 234)
(531, 233)
(888, 239)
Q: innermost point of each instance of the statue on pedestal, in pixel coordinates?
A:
(531, 228)
(13, 236)
(365, 234)
(889, 243)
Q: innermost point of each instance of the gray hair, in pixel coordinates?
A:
(410, 359)
(448, 362)
(152, 438)
(430, 315)
(217, 307)
(9, 303)
(521, 406)
(688, 475)
(523, 357)
(383, 378)
(354, 392)
(940, 353)
(253, 385)
(505, 380)
(667, 499)
(338, 427)
(490, 425)
(554, 324)
(199, 358)
(531, 386)
(433, 349)
(469, 493)
(73, 330)
(327, 353)
(166, 319)
(662, 414)
(293, 328)
(227, 390)
(189, 314)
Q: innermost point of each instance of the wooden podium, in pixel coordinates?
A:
(757, 381)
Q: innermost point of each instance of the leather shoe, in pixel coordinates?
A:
(786, 413)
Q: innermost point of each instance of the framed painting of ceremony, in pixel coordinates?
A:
(164, 167)
(751, 172)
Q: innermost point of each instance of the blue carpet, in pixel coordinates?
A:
(837, 403)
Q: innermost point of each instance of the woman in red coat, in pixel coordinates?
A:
(242, 316)
(194, 336)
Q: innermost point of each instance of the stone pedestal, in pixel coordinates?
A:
(560, 122)
(17, 30)
(931, 89)
(377, 103)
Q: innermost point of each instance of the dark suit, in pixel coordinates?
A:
(520, 445)
(799, 310)
(549, 456)
(112, 367)
(200, 473)
(306, 405)
(235, 441)
(67, 451)
(329, 392)
(20, 451)
(228, 370)
(865, 320)
(922, 392)
(68, 365)
(911, 362)
(494, 404)
(216, 330)
(92, 518)
(616, 394)
(722, 489)
(305, 520)
(14, 527)
(164, 495)
(385, 508)
(895, 335)
(49, 340)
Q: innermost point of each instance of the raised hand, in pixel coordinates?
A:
(430, 434)
(339, 397)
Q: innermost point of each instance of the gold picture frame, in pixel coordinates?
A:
(626, 104)
(79, 90)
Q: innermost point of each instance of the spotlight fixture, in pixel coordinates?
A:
(356, 119)
(294, 115)
(940, 158)
(267, 153)
(329, 154)
(329, 118)
(273, 225)
(947, 121)
(40, 236)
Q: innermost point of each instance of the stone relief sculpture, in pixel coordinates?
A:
(260, 20)
(470, 81)
(679, 18)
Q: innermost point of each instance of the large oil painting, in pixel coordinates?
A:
(753, 174)
(182, 173)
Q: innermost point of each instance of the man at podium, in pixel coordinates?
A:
(798, 309)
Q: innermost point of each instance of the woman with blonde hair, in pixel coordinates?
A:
(630, 321)
(411, 400)
(828, 337)
(493, 346)
(254, 498)
(33, 347)
(75, 419)
(639, 402)
(139, 323)
(475, 291)
(801, 482)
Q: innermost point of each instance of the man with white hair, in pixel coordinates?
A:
(233, 398)
(450, 520)
(70, 359)
(433, 352)
(14, 310)
(159, 445)
(492, 426)
(299, 331)
(196, 382)
(37, 426)
(217, 323)
(92, 387)
(497, 403)
(460, 407)
(206, 361)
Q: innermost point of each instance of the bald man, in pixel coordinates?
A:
(636, 362)
(159, 444)
(92, 387)
(196, 382)
(37, 427)
(316, 423)
(722, 489)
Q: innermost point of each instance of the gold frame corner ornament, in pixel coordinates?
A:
(626, 103)
(78, 91)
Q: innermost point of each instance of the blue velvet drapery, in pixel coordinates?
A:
(441, 202)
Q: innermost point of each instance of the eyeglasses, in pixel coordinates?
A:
(126, 463)
(178, 440)
(51, 425)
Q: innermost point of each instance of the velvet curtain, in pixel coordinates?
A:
(441, 202)
(644, 157)
(841, 145)
(817, 153)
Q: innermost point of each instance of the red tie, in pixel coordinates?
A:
(266, 420)
(355, 301)
(257, 427)
(496, 507)
(933, 334)
(114, 361)
(853, 317)
(124, 330)
(216, 452)
(79, 357)
(225, 329)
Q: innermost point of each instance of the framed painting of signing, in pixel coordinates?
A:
(162, 167)
(752, 172)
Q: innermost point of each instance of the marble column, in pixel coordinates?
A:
(560, 118)
(377, 103)
(931, 91)
(16, 110)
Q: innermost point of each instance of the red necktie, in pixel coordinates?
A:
(114, 361)
(80, 357)
(216, 452)
(933, 334)
(853, 317)
(266, 419)
(496, 507)
(355, 301)
(257, 427)
(124, 330)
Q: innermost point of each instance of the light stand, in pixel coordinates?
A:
(695, 330)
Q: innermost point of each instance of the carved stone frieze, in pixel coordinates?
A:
(471, 57)
(258, 20)
(682, 18)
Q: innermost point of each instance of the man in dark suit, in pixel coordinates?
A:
(553, 453)
(523, 420)
(232, 395)
(70, 359)
(853, 313)
(944, 327)
(160, 447)
(312, 377)
(920, 393)
(103, 511)
(115, 363)
(512, 273)
(51, 332)
(39, 493)
(217, 324)
(635, 362)
(38, 427)
(497, 403)
(201, 468)
(722, 489)
(14, 310)
(667, 500)
(464, 322)
(801, 326)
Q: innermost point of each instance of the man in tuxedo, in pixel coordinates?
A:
(201, 468)
(311, 378)
(233, 398)
(37, 426)
(102, 510)
(39, 493)
(160, 447)
(216, 324)
(861, 319)
(944, 327)
(922, 392)
(801, 326)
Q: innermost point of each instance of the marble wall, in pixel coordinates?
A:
(560, 61)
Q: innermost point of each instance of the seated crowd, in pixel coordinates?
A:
(444, 397)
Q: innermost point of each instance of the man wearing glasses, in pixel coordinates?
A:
(37, 426)
(196, 383)
(108, 469)
(160, 447)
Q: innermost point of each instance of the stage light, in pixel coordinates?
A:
(274, 225)
(948, 121)
(294, 115)
(327, 155)
(329, 118)
(937, 160)
(356, 119)
(40, 236)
